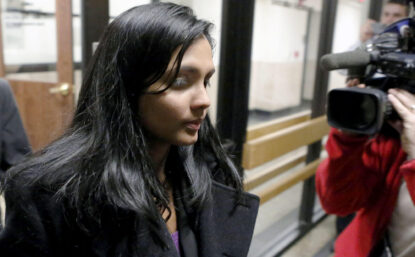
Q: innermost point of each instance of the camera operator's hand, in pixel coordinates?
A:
(366, 31)
(404, 104)
(353, 82)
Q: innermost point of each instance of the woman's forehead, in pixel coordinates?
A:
(198, 55)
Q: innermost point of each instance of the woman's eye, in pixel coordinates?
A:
(180, 82)
(207, 83)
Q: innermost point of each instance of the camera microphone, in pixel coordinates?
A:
(352, 59)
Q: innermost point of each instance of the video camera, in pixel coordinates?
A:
(387, 61)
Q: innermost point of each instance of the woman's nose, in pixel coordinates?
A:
(201, 98)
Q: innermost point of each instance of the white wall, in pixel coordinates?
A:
(350, 17)
(275, 77)
(27, 38)
(116, 7)
(33, 5)
(348, 21)
(277, 56)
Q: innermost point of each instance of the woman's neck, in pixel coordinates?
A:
(159, 153)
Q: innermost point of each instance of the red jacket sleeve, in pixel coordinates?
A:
(356, 165)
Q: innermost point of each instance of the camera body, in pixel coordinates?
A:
(387, 61)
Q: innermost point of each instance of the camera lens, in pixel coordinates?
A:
(356, 110)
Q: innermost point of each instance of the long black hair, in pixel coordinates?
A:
(103, 159)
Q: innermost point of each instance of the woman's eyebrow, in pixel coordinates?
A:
(194, 70)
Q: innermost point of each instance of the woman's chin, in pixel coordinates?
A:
(187, 140)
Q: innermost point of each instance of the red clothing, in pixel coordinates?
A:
(363, 175)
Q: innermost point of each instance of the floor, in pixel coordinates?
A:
(315, 243)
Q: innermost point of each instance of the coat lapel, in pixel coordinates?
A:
(225, 227)
(121, 241)
(148, 247)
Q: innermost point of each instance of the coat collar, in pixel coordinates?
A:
(223, 226)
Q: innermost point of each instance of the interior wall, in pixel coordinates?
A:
(116, 7)
(351, 15)
(28, 38)
(277, 56)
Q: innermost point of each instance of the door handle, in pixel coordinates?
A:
(62, 89)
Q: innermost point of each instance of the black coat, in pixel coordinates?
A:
(36, 226)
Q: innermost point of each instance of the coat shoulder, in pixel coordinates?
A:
(231, 192)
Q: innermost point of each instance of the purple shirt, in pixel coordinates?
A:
(175, 237)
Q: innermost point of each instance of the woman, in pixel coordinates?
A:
(140, 171)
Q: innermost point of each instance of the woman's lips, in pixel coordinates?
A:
(194, 125)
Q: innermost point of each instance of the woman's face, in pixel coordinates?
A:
(175, 116)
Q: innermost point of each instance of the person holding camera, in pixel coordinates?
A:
(373, 177)
(392, 11)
